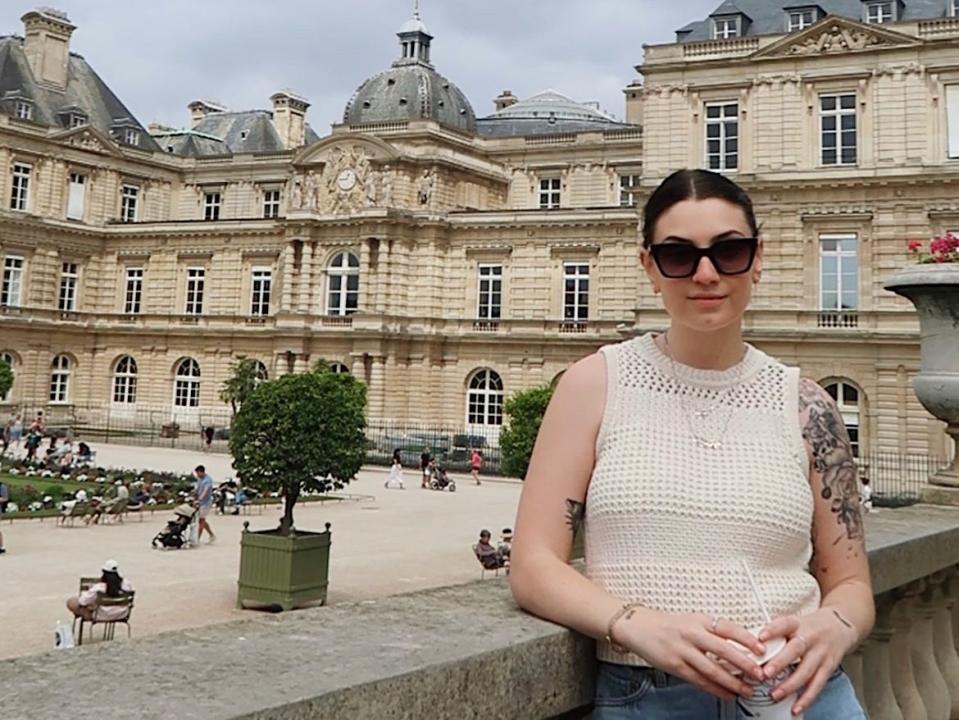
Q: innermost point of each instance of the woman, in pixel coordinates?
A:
(110, 585)
(686, 453)
(476, 462)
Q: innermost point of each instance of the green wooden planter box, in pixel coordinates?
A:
(283, 571)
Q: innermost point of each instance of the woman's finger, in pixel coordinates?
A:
(725, 652)
(800, 677)
(715, 674)
(729, 630)
(780, 627)
(813, 689)
(794, 651)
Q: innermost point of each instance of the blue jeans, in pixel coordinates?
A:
(636, 693)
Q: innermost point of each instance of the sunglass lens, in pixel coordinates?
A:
(676, 259)
(733, 256)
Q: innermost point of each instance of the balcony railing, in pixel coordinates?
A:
(486, 326)
(831, 319)
(336, 321)
(575, 326)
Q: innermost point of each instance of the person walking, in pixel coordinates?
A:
(476, 462)
(425, 459)
(16, 431)
(204, 497)
(394, 481)
(694, 462)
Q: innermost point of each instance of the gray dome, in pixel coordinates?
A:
(550, 104)
(410, 92)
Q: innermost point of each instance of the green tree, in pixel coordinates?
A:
(524, 414)
(6, 377)
(300, 432)
(245, 374)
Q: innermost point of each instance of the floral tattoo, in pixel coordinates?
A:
(832, 457)
(575, 513)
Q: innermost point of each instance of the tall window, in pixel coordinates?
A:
(134, 291)
(490, 300)
(879, 12)
(344, 284)
(260, 291)
(575, 292)
(800, 19)
(271, 204)
(485, 399)
(195, 280)
(20, 187)
(125, 381)
(76, 198)
(847, 401)
(24, 110)
(12, 288)
(129, 195)
(837, 118)
(186, 390)
(838, 273)
(952, 118)
(69, 276)
(211, 206)
(60, 379)
(725, 28)
(722, 136)
(549, 193)
(628, 183)
(8, 359)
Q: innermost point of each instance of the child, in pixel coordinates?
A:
(865, 496)
(394, 480)
(505, 545)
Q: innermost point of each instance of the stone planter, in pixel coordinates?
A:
(283, 571)
(934, 290)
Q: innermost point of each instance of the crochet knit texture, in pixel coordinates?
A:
(669, 522)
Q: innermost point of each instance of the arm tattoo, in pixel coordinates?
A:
(575, 513)
(843, 620)
(832, 457)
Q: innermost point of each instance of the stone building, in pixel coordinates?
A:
(449, 260)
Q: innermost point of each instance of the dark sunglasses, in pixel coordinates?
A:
(680, 260)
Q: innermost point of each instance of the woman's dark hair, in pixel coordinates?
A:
(694, 185)
(114, 582)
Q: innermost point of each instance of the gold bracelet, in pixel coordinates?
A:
(627, 611)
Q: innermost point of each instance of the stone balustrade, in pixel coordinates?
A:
(468, 652)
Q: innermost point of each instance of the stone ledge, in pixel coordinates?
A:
(457, 652)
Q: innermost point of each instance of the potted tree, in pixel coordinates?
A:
(299, 433)
(933, 287)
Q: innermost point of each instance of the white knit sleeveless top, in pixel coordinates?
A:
(668, 521)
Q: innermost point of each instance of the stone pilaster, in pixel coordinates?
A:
(943, 599)
(904, 684)
(929, 680)
(880, 699)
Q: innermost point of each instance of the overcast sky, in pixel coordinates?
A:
(158, 55)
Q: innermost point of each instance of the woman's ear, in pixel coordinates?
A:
(646, 259)
(758, 262)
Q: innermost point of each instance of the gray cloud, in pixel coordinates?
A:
(158, 56)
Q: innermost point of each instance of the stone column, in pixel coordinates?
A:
(929, 680)
(377, 389)
(904, 684)
(943, 599)
(853, 665)
(305, 303)
(286, 299)
(880, 700)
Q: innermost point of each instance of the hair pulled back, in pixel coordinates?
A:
(694, 185)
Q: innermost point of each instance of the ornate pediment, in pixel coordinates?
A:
(834, 34)
(88, 138)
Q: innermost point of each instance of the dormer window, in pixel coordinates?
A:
(954, 8)
(76, 120)
(800, 18)
(726, 27)
(131, 136)
(23, 110)
(877, 13)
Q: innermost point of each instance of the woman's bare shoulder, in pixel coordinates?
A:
(583, 387)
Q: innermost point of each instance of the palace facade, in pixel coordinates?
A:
(449, 260)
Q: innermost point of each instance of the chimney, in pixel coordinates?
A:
(634, 102)
(47, 45)
(289, 118)
(505, 99)
(199, 109)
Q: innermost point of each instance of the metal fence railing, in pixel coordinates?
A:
(897, 479)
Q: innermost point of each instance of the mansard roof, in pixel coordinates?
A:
(85, 93)
(768, 16)
(227, 133)
(547, 113)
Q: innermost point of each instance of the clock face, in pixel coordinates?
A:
(346, 179)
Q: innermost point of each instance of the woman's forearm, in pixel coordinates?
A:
(853, 605)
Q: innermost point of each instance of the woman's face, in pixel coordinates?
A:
(706, 300)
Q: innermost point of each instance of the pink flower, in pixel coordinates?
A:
(914, 245)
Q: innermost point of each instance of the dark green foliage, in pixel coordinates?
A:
(524, 414)
(300, 432)
(6, 378)
(244, 377)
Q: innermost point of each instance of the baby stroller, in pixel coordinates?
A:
(439, 480)
(172, 535)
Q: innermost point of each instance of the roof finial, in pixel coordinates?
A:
(416, 9)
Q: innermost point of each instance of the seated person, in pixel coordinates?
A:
(84, 453)
(110, 585)
(505, 545)
(226, 489)
(486, 553)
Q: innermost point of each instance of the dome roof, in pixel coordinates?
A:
(550, 104)
(411, 89)
(406, 92)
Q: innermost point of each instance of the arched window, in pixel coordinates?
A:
(186, 392)
(344, 284)
(485, 399)
(339, 368)
(125, 381)
(60, 370)
(847, 400)
(262, 374)
(11, 362)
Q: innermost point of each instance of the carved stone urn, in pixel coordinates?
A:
(934, 290)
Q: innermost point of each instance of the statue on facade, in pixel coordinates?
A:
(386, 186)
(369, 187)
(309, 191)
(424, 188)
